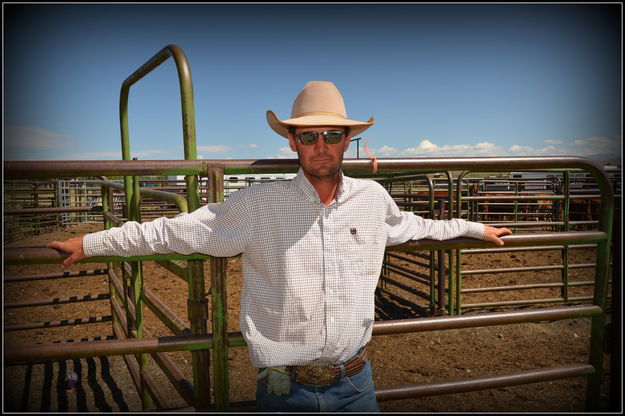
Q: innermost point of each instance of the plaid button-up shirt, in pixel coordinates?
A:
(309, 270)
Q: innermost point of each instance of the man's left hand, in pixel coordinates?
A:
(492, 234)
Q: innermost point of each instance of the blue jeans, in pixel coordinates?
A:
(348, 394)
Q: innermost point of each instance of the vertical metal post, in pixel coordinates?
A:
(441, 266)
(137, 290)
(197, 305)
(107, 203)
(616, 369)
(219, 306)
(455, 266)
(597, 330)
(565, 249)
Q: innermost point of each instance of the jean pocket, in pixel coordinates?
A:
(362, 381)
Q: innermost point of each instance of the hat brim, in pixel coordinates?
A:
(282, 127)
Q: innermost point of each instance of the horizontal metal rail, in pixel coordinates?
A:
(64, 322)
(96, 168)
(52, 210)
(62, 275)
(56, 301)
(49, 351)
(179, 200)
(483, 383)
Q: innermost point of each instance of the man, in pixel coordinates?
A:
(312, 252)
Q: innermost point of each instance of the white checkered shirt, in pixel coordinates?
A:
(309, 271)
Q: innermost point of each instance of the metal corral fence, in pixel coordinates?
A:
(127, 295)
(70, 202)
(133, 339)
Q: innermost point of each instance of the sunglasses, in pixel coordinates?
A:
(330, 136)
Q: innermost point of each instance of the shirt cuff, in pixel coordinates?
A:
(93, 244)
(476, 230)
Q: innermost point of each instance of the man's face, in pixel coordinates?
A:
(319, 159)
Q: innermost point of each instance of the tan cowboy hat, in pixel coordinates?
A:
(319, 103)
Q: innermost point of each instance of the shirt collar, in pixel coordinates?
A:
(304, 187)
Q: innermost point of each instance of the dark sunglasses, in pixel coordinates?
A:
(330, 136)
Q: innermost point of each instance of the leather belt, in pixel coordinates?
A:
(324, 375)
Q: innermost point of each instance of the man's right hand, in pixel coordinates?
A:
(73, 246)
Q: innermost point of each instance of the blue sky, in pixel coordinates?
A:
(440, 79)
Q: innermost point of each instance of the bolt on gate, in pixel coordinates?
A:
(127, 295)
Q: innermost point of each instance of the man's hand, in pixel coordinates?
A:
(73, 246)
(492, 234)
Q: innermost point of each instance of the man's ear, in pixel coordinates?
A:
(292, 141)
(348, 140)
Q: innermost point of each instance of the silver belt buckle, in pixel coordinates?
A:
(315, 375)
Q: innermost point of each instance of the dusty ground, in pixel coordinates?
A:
(105, 384)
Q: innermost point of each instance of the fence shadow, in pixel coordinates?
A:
(390, 306)
(48, 382)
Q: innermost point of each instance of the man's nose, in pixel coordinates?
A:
(321, 144)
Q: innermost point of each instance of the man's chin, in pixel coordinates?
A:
(322, 172)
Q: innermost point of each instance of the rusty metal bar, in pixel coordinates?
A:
(174, 267)
(166, 315)
(532, 248)
(219, 302)
(514, 240)
(31, 277)
(51, 351)
(525, 287)
(52, 210)
(55, 169)
(483, 383)
(513, 269)
(176, 199)
(89, 168)
(527, 302)
(487, 319)
(64, 322)
(55, 301)
(109, 216)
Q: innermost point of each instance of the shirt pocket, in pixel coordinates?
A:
(352, 249)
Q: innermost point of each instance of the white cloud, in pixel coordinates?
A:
(384, 151)
(35, 138)
(143, 154)
(593, 146)
(283, 153)
(516, 150)
(217, 148)
(589, 147)
(253, 146)
(428, 149)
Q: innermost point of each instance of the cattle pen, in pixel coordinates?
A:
(204, 333)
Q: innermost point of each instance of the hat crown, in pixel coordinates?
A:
(319, 98)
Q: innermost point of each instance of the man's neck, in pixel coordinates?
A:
(326, 186)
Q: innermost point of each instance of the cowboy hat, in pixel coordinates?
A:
(319, 103)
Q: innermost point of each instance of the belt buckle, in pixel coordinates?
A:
(315, 375)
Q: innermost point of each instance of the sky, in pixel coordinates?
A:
(441, 80)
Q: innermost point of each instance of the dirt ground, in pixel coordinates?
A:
(105, 384)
